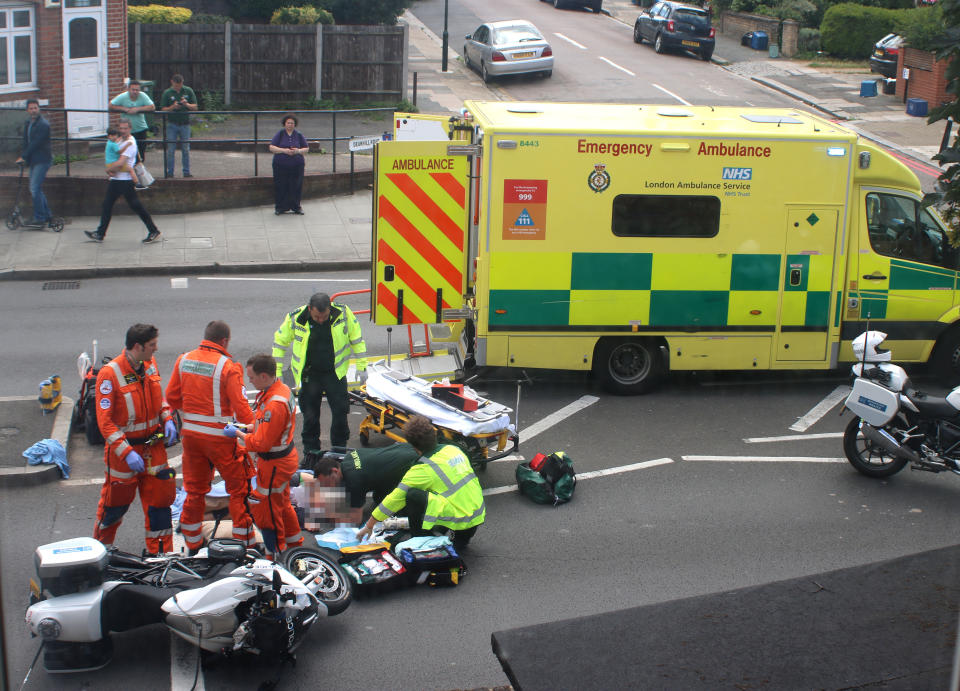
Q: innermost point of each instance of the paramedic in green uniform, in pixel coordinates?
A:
(440, 492)
(366, 470)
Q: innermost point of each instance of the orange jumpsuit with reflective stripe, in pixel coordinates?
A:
(271, 447)
(130, 410)
(207, 387)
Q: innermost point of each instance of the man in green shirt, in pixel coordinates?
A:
(178, 100)
(133, 103)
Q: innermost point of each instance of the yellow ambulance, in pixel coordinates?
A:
(635, 239)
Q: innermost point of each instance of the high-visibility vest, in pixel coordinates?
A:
(295, 330)
(272, 435)
(455, 498)
(129, 408)
(207, 387)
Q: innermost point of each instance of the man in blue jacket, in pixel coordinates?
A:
(36, 154)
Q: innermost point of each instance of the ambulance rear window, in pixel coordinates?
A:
(670, 216)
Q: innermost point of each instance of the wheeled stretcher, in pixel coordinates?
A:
(391, 398)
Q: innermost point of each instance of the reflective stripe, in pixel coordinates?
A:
(158, 468)
(216, 384)
(440, 474)
(196, 417)
(190, 527)
(454, 519)
(121, 475)
(279, 346)
(142, 426)
(294, 358)
(158, 533)
(114, 437)
(131, 411)
(241, 531)
(275, 490)
(356, 341)
(463, 481)
(122, 449)
(202, 429)
(385, 511)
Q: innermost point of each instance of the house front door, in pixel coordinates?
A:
(84, 66)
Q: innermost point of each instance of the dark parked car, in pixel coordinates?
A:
(595, 5)
(671, 24)
(885, 53)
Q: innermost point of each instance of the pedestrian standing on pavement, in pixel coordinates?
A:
(270, 446)
(135, 422)
(206, 385)
(288, 147)
(323, 334)
(121, 185)
(36, 154)
(178, 100)
(133, 103)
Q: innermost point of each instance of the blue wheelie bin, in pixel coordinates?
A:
(759, 40)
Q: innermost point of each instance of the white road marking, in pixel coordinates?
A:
(821, 409)
(283, 280)
(670, 93)
(183, 665)
(592, 474)
(765, 459)
(570, 40)
(556, 417)
(511, 457)
(613, 64)
(793, 437)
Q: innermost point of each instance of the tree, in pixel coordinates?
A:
(948, 199)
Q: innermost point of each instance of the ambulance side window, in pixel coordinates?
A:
(900, 227)
(671, 216)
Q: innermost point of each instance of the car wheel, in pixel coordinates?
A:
(466, 58)
(558, 4)
(637, 34)
(483, 72)
(597, 8)
(706, 55)
(658, 43)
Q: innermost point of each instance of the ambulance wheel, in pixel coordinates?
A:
(629, 365)
(658, 44)
(335, 590)
(946, 357)
(868, 459)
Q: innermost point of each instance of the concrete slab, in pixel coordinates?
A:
(23, 425)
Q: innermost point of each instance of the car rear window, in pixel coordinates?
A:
(516, 34)
(695, 16)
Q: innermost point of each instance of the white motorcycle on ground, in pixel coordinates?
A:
(225, 600)
(896, 424)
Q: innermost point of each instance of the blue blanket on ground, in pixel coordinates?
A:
(49, 451)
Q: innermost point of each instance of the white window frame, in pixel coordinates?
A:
(10, 33)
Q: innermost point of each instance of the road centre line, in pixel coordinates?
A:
(591, 474)
(670, 93)
(821, 409)
(793, 437)
(570, 40)
(613, 64)
(765, 459)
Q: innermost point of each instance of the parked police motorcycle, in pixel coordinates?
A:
(225, 600)
(896, 424)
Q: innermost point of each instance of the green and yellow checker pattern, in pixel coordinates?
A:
(565, 291)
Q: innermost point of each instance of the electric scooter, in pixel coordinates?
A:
(15, 217)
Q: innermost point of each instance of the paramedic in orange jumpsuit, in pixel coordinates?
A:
(134, 421)
(206, 385)
(270, 445)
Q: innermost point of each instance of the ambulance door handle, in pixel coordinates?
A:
(876, 276)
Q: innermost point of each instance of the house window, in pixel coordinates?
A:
(18, 54)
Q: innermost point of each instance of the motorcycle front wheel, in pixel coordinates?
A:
(336, 591)
(867, 457)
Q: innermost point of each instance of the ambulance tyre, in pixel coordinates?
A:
(629, 365)
(336, 591)
(946, 357)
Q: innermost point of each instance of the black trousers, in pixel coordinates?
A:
(313, 387)
(141, 138)
(115, 190)
(415, 509)
(287, 188)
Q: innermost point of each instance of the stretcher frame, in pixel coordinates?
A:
(387, 418)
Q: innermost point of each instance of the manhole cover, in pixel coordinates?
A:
(61, 285)
(9, 432)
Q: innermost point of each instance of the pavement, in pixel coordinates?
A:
(335, 231)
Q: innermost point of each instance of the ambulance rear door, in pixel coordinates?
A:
(419, 239)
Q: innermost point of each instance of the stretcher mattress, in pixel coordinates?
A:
(413, 395)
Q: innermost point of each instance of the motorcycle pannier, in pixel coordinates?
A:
(70, 566)
(872, 402)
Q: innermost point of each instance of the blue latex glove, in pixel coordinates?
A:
(170, 432)
(135, 462)
(230, 431)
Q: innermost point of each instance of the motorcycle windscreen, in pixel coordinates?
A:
(419, 238)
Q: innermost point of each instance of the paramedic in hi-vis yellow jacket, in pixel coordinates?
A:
(440, 491)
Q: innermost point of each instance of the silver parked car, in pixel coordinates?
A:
(509, 47)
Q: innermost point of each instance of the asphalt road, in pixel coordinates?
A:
(681, 502)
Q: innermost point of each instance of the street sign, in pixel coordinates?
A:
(361, 143)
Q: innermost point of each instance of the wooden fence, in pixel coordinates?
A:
(263, 64)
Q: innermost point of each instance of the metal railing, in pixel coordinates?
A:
(256, 141)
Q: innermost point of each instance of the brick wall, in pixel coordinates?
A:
(928, 78)
(116, 57)
(736, 24)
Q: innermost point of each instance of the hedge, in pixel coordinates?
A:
(849, 31)
(158, 14)
(301, 15)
